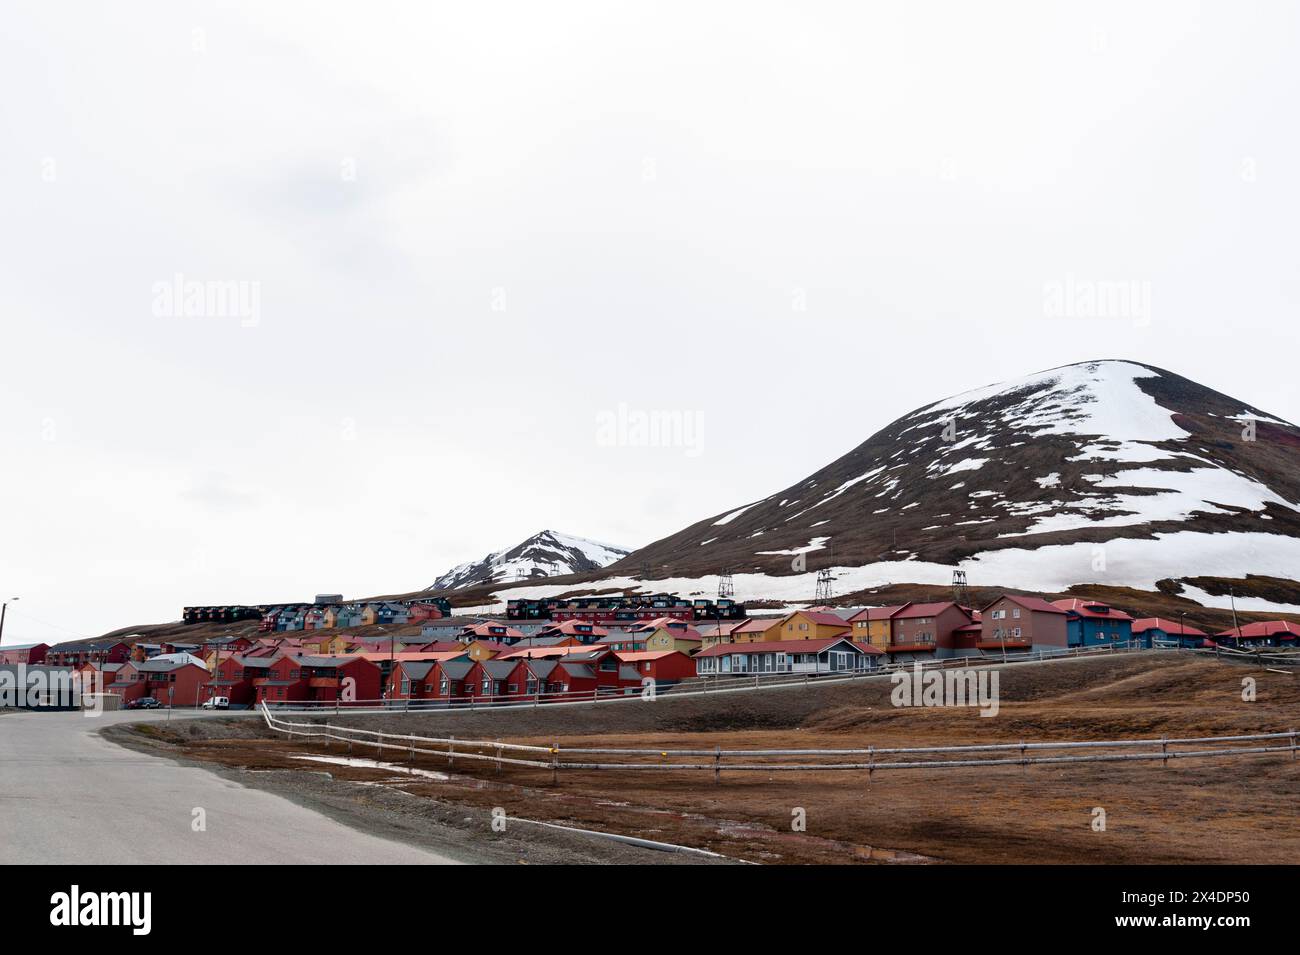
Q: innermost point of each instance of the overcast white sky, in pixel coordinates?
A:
(476, 228)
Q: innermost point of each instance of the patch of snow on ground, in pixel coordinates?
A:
(736, 513)
(1052, 480)
(817, 543)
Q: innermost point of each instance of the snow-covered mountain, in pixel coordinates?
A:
(1102, 472)
(545, 554)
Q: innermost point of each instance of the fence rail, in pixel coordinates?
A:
(558, 758)
(691, 686)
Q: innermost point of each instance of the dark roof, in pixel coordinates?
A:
(416, 669)
(541, 668)
(456, 669)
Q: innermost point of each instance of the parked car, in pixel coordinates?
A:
(143, 703)
(217, 703)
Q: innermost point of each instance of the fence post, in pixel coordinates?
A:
(1023, 762)
(1293, 744)
(717, 764)
(498, 757)
(451, 747)
(871, 762)
(555, 762)
(1164, 749)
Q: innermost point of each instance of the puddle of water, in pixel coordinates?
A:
(360, 763)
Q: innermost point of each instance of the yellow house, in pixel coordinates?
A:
(810, 625)
(336, 644)
(873, 625)
(714, 632)
(478, 650)
(687, 641)
(758, 631)
(331, 619)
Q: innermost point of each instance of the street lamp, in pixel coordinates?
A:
(3, 607)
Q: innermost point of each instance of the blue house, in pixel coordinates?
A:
(1090, 623)
(1157, 632)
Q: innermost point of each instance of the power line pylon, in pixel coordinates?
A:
(824, 590)
(726, 588)
(960, 592)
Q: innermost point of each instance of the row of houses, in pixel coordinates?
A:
(295, 617)
(623, 608)
(1012, 623)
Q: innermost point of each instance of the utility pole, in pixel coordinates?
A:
(4, 607)
(1232, 599)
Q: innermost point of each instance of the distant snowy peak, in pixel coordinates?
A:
(1083, 453)
(545, 554)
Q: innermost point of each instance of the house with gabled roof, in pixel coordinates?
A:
(490, 630)
(810, 625)
(1262, 633)
(872, 625)
(26, 653)
(1016, 623)
(1092, 623)
(584, 631)
(410, 680)
(925, 631)
(686, 641)
(1159, 632)
(664, 667)
(826, 655)
(448, 679)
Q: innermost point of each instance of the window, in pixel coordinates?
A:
(1016, 613)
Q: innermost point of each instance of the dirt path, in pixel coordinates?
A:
(1213, 810)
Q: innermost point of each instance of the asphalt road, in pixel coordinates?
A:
(69, 796)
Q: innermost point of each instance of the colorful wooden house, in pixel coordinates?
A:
(1156, 633)
(872, 625)
(1091, 623)
(1014, 623)
(825, 655)
(810, 625)
(1263, 633)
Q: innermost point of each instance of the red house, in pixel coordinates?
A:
(233, 679)
(420, 612)
(925, 631)
(75, 654)
(412, 680)
(282, 680)
(28, 653)
(1013, 622)
(1265, 633)
(662, 666)
(171, 682)
(350, 680)
(448, 679)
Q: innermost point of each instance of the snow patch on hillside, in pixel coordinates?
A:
(1129, 562)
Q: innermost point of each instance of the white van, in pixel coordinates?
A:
(217, 703)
